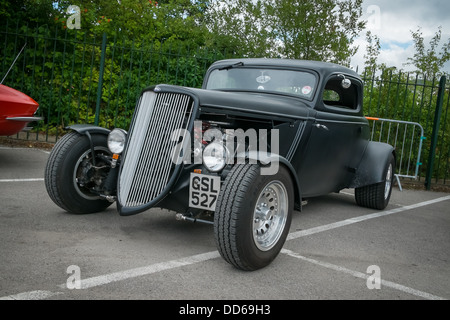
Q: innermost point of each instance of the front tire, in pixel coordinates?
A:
(68, 165)
(253, 216)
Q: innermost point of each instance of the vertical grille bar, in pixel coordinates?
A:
(147, 163)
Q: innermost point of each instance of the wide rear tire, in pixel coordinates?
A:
(377, 196)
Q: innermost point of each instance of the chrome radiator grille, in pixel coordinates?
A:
(147, 163)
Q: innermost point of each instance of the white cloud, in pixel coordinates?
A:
(392, 22)
(397, 56)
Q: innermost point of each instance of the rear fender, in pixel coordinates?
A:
(372, 166)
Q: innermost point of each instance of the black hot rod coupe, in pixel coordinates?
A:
(241, 153)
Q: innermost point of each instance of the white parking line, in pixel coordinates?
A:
(137, 272)
(9, 148)
(32, 295)
(334, 225)
(117, 276)
(365, 276)
(22, 180)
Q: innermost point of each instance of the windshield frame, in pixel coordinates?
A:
(315, 89)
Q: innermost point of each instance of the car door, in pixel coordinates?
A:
(336, 141)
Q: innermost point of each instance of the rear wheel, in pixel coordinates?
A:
(377, 196)
(71, 178)
(253, 216)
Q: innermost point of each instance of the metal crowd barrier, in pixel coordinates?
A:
(407, 139)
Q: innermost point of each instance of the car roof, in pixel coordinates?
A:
(323, 68)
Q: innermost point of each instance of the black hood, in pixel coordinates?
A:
(270, 104)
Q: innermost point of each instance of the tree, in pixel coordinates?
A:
(372, 52)
(26, 11)
(302, 29)
(160, 21)
(142, 19)
(237, 26)
(317, 29)
(428, 61)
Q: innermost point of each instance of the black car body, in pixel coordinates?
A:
(246, 149)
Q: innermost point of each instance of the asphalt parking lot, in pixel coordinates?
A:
(335, 249)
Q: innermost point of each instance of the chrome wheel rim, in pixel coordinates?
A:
(270, 215)
(388, 183)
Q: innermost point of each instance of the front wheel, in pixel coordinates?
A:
(71, 179)
(253, 216)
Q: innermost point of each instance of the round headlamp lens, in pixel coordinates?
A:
(215, 156)
(116, 140)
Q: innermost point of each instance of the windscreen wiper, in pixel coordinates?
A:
(231, 66)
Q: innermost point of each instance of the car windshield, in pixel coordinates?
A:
(298, 83)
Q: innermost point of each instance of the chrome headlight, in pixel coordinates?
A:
(116, 140)
(215, 156)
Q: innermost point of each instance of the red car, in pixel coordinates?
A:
(16, 111)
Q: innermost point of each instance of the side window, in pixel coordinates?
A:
(330, 97)
(338, 95)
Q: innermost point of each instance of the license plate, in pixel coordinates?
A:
(203, 191)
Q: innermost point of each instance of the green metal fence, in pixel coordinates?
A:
(85, 78)
(82, 78)
(410, 97)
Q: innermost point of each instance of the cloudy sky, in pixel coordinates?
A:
(393, 20)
